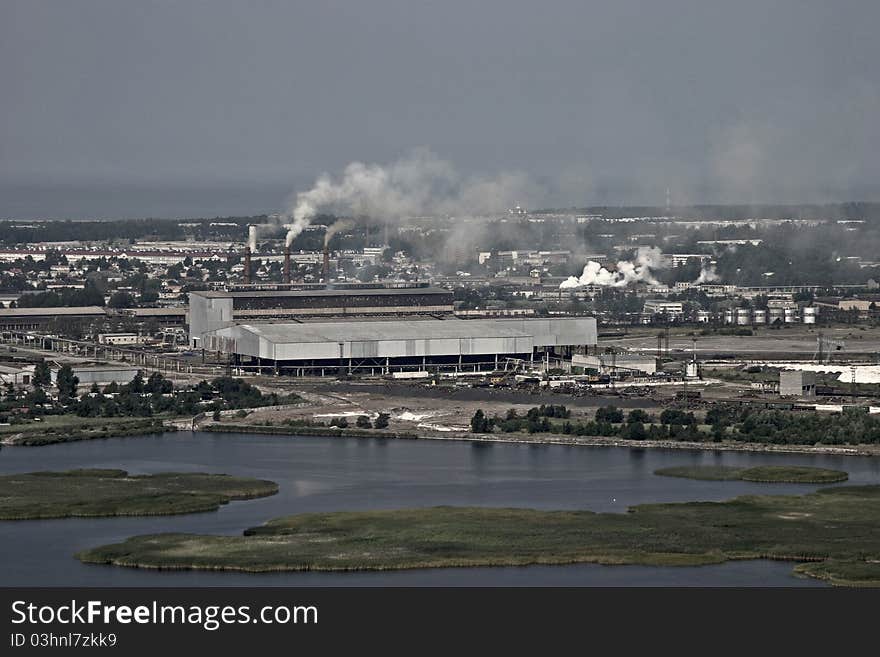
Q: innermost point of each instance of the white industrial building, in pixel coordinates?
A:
(212, 310)
(100, 374)
(671, 309)
(385, 346)
(797, 383)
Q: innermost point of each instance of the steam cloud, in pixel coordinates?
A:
(627, 272)
(708, 274)
(337, 227)
(420, 184)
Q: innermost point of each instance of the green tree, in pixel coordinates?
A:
(66, 383)
(480, 423)
(381, 421)
(137, 383)
(610, 414)
(121, 299)
(363, 422)
(638, 415)
(42, 375)
(635, 431)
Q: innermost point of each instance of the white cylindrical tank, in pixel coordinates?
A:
(791, 315)
(728, 317)
(775, 314)
(743, 316)
(810, 314)
(759, 316)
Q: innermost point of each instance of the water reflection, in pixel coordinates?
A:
(319, 474)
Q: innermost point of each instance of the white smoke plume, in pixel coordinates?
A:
(417, 185)
(626, 273)
(708, 274)
(336, 227)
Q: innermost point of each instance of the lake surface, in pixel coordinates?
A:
(336, 474)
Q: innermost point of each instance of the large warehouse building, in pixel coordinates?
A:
(375, 347)
(212, 310)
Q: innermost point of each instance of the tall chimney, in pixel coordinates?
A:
(247, 265)
(286, 264)
(326, 269)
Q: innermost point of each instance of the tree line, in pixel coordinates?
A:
(722, 423)
(142, 397)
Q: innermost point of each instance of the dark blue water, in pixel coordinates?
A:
(319, 474)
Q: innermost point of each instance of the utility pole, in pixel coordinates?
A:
(684, 382)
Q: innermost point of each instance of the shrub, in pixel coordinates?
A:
(609, 414)
(638, 415)
(480, 423)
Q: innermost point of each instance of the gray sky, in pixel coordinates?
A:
(753, 100)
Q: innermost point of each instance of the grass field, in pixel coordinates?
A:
(89, 493)
(840, 524)
(768, 474)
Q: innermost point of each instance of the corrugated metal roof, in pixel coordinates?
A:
(258, 294)
(159, 312)
(39, 312)
(387, 330)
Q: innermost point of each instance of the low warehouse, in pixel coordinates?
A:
(617, 363)
(101, 375)
(385, 346)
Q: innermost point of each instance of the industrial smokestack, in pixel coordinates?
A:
(326, 268)
(286, 264)
(251, 246)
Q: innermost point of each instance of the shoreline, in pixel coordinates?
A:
(15, 440)
(550, 439)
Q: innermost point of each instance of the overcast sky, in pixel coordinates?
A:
(752, 100)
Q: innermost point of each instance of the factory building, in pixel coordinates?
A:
(672, 309)
(26, 319)
(212, 310)
(383, 347)
(797, 383)
(616, 363)
(101, 375)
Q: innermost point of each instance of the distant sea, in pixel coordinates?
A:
(129, 201)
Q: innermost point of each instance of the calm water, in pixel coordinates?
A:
(318, 474)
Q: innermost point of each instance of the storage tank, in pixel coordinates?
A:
(743, 316)
(791, 315)
(728, 317)
(810, 314)
(774, 314)
(760, 316)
